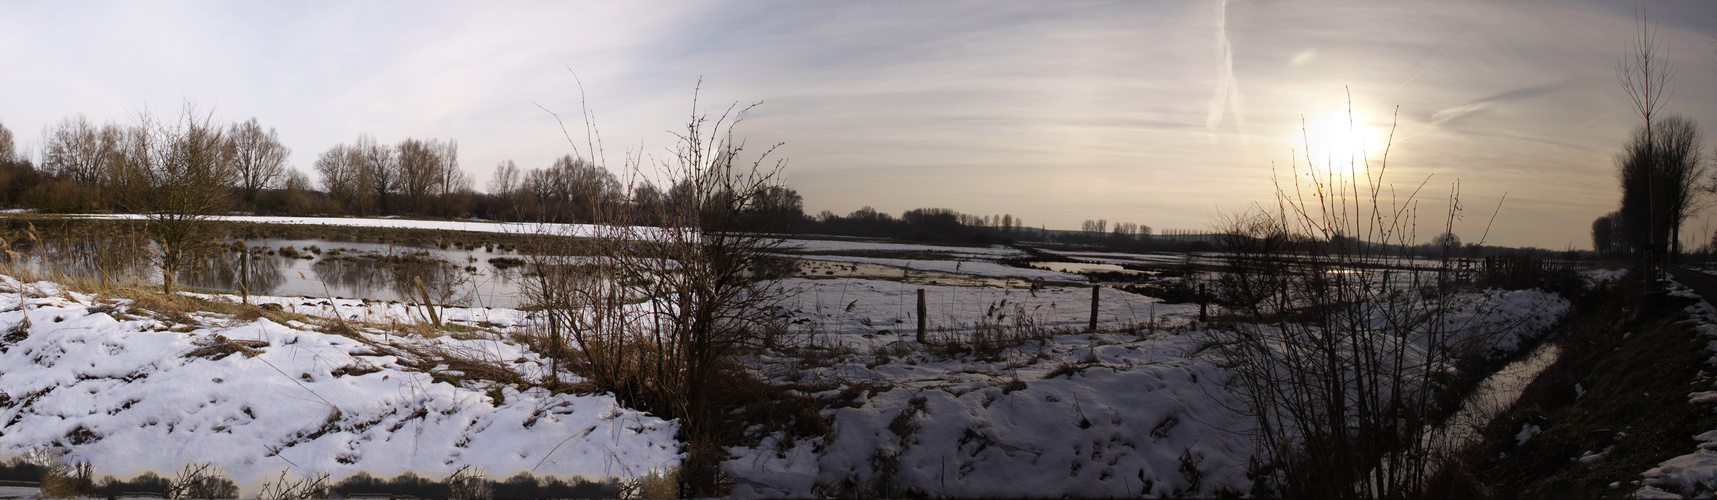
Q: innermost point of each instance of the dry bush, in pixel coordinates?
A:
(61, 480)
(1003, 326)
(468, 483)
(199, 480)
(215, 347)
(472, 363)
(1338, 342)
(288, 488)
(657, 313)
(663, 483)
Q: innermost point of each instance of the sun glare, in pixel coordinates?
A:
(1340, 143)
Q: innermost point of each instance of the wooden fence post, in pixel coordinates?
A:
(1202, 302)
(921, 315)
(1094, 291)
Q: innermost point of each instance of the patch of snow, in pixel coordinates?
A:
(1601, 276)
(973, 267)
(1526, 433)
(129, 396)
(810, 245)
(1142, 421)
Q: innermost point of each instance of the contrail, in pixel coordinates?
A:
(1447, 114)
(1227, 93)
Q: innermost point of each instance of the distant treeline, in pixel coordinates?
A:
(84, 167)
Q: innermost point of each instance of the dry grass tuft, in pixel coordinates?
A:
(62, 480)
(660, 483)
(216, 347)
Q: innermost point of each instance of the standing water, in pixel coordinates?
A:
(1493, 396)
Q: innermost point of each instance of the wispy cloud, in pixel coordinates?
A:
(1447, 114)
(1227, 93)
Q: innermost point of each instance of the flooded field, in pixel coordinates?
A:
(480, 277)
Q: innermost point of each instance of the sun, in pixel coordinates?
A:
(1340, 142)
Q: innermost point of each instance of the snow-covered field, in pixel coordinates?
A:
(1102, 415)
(1127, 411)
(972, 267)
(1107, 414)
(128, 393)
(843, 245)
(856, 309)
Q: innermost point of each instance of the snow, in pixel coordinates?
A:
(1519, 317)
(1526, 433)
(849, 307)
(1124, 424)
(127, 395)
(1124, 258)
(1690, 474)
(1127, 411)
(972, 267)
(823, 246)
(1108, 414)
(1601, 276)
(375, 311)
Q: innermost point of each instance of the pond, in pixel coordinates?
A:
(475, 277)
(1085, 267)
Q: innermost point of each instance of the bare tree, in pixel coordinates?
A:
(1680, 166)
(453, 183)
(419, 173)
(706, 284)
(573, 189)
(505, 180)
(186, 181)
(1644, 75)
(378, 169)
(258, 158)
(341, 176)
(74, 151)
(1659, 173)
(8, 147)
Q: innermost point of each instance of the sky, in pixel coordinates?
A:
(1166, 114)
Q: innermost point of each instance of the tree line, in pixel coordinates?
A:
(87, 167)
(1661, 168)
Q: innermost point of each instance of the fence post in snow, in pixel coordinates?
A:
(1201, 304)
(1094, 290)
(921, 315)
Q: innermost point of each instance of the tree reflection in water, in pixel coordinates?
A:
(114, 257)
(397, 276)
(255, 272)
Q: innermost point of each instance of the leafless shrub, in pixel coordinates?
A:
(656, 314)
(183, 179)
(1338, 343)
(61, 480)
(288, 488)
(201, 480)
(468, 483)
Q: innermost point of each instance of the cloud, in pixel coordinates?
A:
(1227, 93)
(1481, 105)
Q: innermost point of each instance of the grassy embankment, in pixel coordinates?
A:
(1619, 389)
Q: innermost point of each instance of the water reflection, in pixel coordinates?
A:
(257, 273)
(313, 268)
